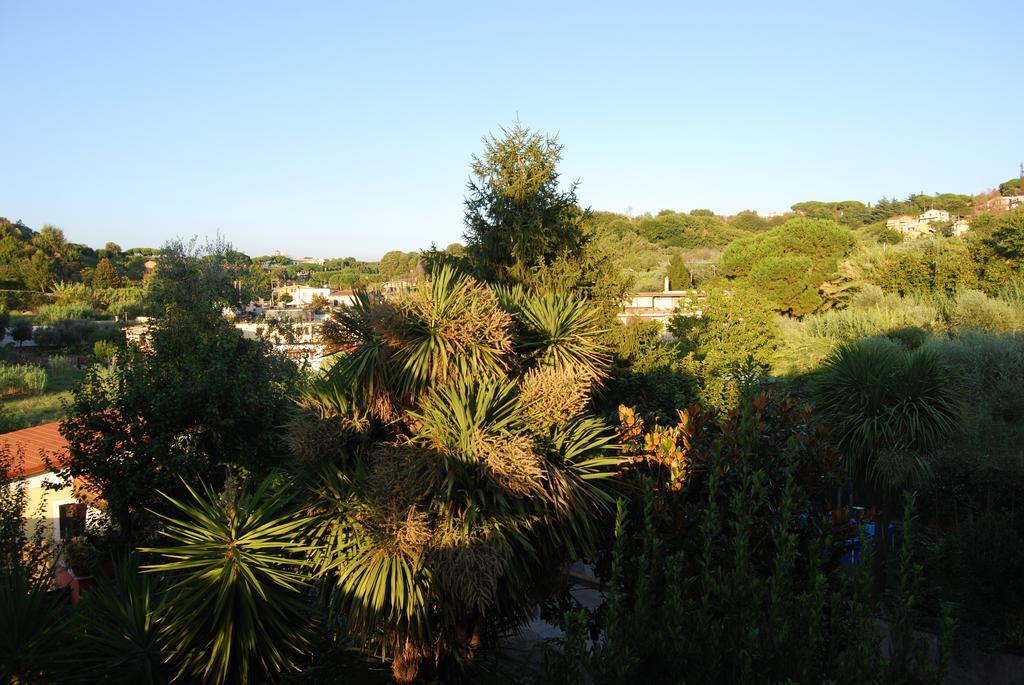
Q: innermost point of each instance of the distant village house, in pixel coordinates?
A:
(925, 224)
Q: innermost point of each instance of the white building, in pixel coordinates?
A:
(961, 226)
(934, 215)
(924, 224)
(660, 306)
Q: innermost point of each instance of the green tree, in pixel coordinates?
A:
(517, 216)
(729, 344)
(748, 220)
(790, 262)
(846, 212)
(1007, 238)
(105, 275)
(696, 229)
(21, 330)
(397, 264)
(1015, 186)
(783, 280)
(196, 400)
(679, 277)
(37, 271)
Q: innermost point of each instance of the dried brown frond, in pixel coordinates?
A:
(470, 570)
(311, 438)
(409, 531)
(390, 506)
(398, 473)
(405, 665)
(383, 407)
(471, 322)
(510, 461)
(480, 321)
(550, 396)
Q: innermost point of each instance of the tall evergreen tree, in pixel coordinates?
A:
(106, 275)
(678, 275)
(517, 217)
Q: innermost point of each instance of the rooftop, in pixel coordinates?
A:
(35, 444)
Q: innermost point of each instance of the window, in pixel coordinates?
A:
(72, 520)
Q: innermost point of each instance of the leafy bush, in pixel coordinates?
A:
(729, 345)
(115, 632)
(647, 372)
(806, 344)
(73, 293)
(20, 300)
(975, 310)
(21, 330)
(104, 351)
(66, 333)
(19, 378)
(732, 578)
(53, 313)
(123, 302)
(978, 472)
(979, 568)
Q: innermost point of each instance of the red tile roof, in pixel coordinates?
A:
(35, 443)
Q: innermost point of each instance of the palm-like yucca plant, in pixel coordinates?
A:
(563, 332)
(440, 527)
(392, 351)
(236, 611)
(33, 628)
(116, 632)
(887, 409)
(880, 400)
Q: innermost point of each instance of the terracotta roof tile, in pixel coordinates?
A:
(34, 443)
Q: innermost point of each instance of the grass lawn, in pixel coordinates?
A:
(25, 411)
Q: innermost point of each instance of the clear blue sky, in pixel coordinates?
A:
(346, 128)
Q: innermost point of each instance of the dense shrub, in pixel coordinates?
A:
(66, 333)
(21, 330)
(20, 300)
(732, 577)
(939, 265)
(979, 472)
(104, 351)
(647, 371)
(805, 344)
(980, 566)
(730, 345)
(54, 313)
(696, 229)
(974, 309)
(127, 302)
(19, 378)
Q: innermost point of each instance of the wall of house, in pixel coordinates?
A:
(43, 503)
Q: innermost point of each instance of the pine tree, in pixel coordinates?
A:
(517, 217)
(106, 275)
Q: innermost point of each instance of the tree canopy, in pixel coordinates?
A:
(518, 218)
(788, 264)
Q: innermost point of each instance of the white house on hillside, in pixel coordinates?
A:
(924, 224)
